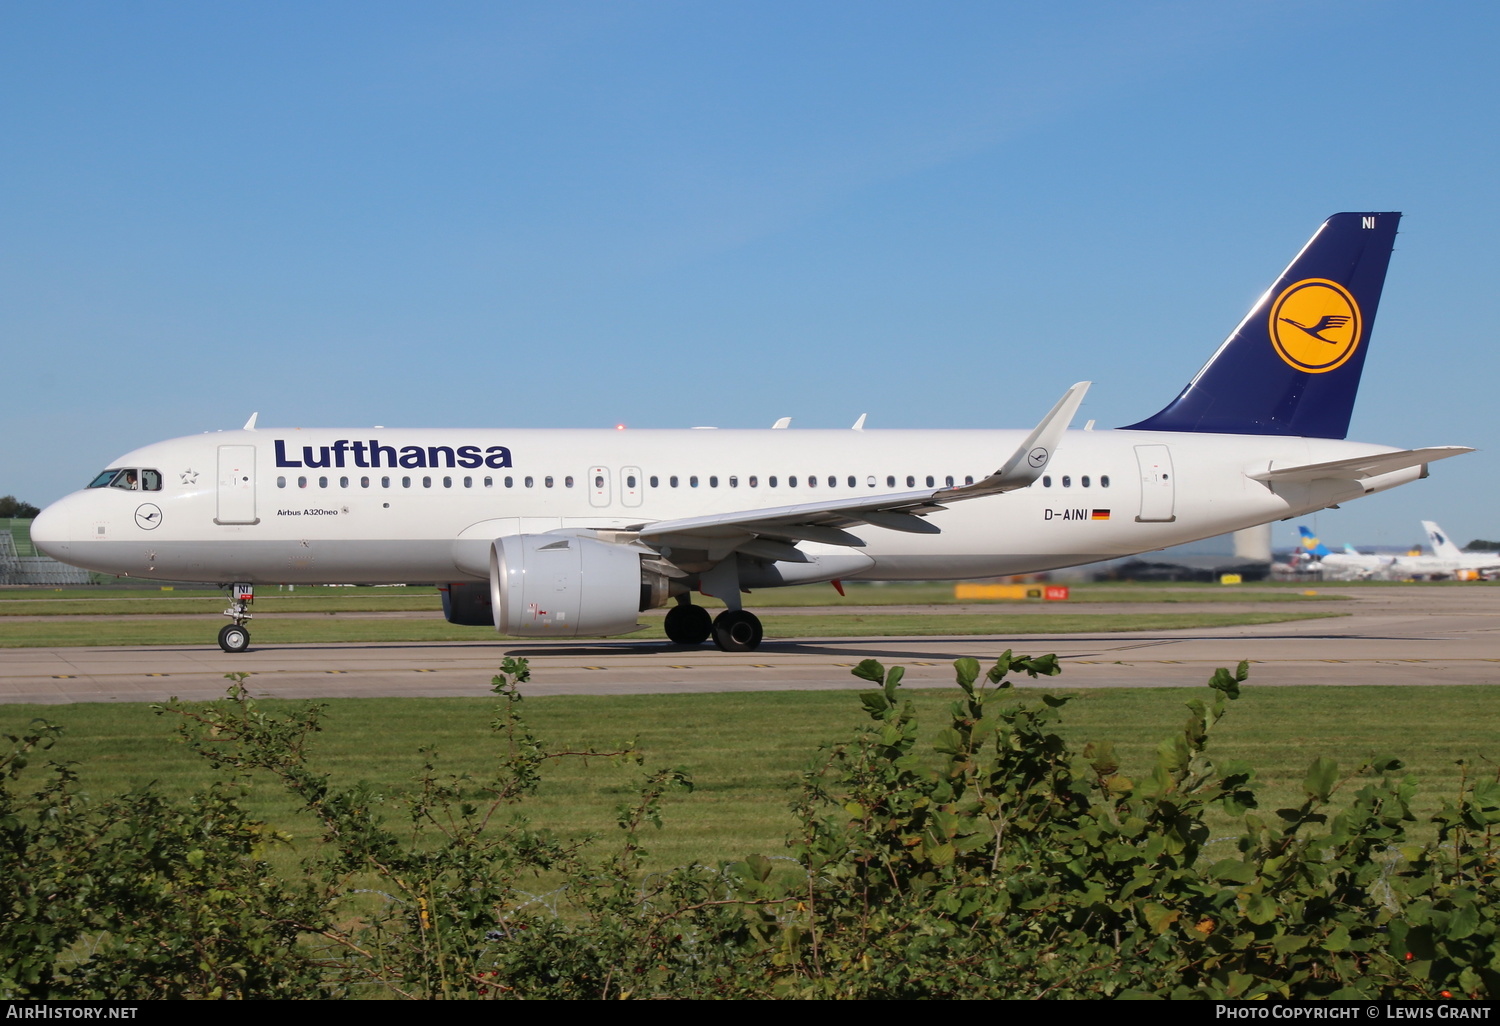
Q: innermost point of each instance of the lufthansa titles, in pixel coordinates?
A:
(371, 454)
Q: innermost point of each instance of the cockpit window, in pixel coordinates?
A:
(130, 478)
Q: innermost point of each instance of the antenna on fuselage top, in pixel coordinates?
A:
(250, 424)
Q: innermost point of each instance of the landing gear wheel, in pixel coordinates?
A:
(688, 625)
(234, 638)
(738, 630)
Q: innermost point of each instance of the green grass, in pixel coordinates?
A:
(63, 632)
(92, 602)
(746, 750)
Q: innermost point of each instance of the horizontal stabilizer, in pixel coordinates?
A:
(1359, 467)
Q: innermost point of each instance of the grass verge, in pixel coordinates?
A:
(746, 750)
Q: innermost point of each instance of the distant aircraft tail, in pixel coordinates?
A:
(1442, 545)
(1292, 366)
(1311, 544)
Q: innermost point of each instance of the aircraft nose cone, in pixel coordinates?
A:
(51, 532)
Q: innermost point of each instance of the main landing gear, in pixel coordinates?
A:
(734, 630)
(687, 624)
(235, 637)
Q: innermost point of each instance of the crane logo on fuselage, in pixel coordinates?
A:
(372, 454)
(1315, 325)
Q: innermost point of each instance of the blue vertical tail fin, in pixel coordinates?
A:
(1292, 366)
(1311, 544)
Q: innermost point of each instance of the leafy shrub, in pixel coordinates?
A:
(1000, 860)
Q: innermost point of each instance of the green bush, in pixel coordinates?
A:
(998, 861)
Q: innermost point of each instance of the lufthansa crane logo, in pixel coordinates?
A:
(148, 516)
(1315, 325)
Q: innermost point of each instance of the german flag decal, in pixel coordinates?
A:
(1100, 514)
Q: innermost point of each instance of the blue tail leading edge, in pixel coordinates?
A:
(1292, 366)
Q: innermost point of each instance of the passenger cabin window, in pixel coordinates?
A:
(131, 479)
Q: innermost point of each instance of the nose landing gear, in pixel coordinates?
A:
(235, 637)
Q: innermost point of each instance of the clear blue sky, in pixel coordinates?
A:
(670, 214)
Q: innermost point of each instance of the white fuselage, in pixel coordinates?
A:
(1405, 567)
(371, 506)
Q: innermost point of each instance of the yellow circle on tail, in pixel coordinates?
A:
(1315, 325)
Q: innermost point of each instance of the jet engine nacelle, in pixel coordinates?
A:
(467, 604)
(547, 585)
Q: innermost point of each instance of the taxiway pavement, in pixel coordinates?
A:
(1393, 635)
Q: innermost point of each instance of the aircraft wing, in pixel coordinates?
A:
(1359, 467)
(774, 531)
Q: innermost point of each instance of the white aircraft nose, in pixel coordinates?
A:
(51, 532)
